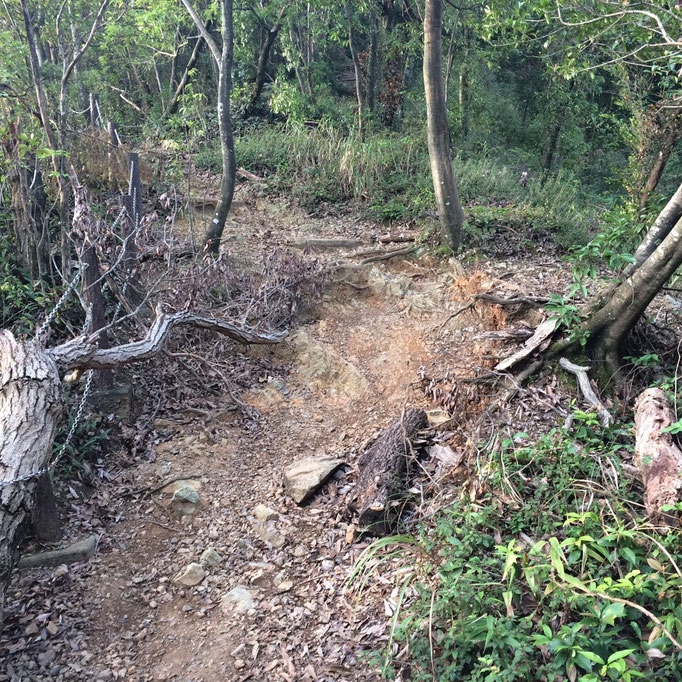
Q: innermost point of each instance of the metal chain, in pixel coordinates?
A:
(50, 318)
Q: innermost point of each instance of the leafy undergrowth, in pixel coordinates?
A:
(551, 574)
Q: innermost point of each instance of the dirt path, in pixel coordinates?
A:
(338, 379)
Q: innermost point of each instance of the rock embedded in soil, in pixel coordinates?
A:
(237, 600)
(185, 501)
(191, 575)
(306, 475)
(263, 513)
(209, 557)
(270, 535)
(438, 417)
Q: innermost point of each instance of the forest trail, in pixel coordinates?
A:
(346, 370)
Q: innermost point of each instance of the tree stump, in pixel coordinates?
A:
(384, 471)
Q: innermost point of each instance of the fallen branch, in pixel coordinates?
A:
(542, 334)
(327, 243)
(605, 418)
(247, 175)
(516, 300)
(398, 237)
(656, 456)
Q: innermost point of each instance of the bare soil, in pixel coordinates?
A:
(380, 335)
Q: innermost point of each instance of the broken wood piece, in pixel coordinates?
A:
(77, 552)
(384, 471)
(605, 417)
(542, 333)
(398, 237)
(514, 300)
(657, 457)
(247, 175)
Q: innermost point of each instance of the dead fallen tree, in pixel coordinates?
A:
(657, 457)
(31, 406)
(380, 489)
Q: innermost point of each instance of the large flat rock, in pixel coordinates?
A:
(306, 475)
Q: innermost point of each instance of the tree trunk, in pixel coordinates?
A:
(608, 326)
(52, 141)
(173, 104)
(357, 67)
(450, 210)
(31, 404)
(373, 63)
(672, 135)
(30, 408)
(263, 60)
(215, 230)
(384, 472)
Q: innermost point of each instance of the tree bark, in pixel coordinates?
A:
(450, 211)
(30, 409)
(384, 471)
(657, 457)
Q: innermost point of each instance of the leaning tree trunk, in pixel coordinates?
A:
(31, 404)
(173, 105)
(670, 138)
(450, 210)
(608, 326)
(214, 232)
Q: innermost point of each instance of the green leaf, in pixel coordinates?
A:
(611, 612)
(624, 653)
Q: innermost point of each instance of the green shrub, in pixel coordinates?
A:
(550, 576)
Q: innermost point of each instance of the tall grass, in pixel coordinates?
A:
(388, 174)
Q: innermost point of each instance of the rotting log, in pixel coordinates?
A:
(384, 470)
(31, 406)
(657, 457)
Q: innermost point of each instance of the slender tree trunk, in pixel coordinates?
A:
(669, 141)
(450, 210)
(51, 139)
(215, 229)
(173, 104)
(263, 60)
(373, 63)
(357, 67)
